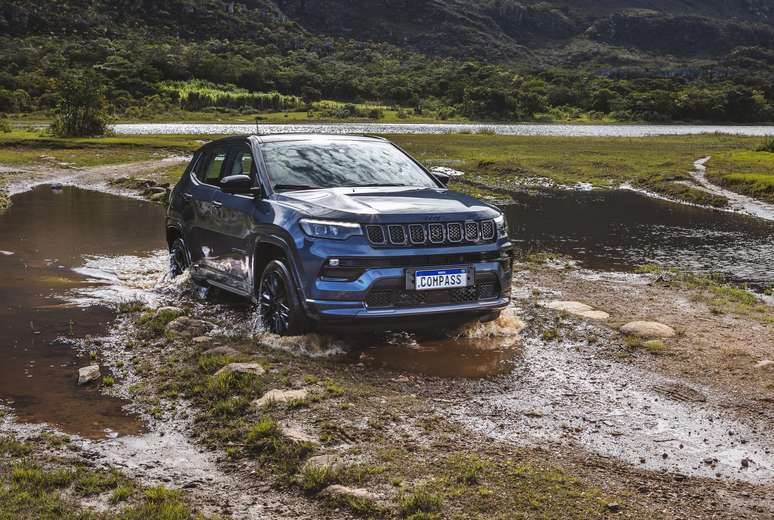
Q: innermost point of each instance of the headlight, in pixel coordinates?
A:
(328, 229)
(502, 226)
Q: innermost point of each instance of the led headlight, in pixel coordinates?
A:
(502, 226)
(329, 229)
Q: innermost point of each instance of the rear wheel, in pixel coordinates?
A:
(278, 306)
(179, 259)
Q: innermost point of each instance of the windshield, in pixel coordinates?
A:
(299, 165)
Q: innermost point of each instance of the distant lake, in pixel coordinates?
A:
(397, 128)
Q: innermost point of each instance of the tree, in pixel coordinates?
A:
(82, 109)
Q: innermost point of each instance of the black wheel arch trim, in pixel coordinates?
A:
(281, 242)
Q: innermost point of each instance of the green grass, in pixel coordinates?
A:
(721, 297)
(745, 171)
(19, 148)
(652, 163)
(50, 488)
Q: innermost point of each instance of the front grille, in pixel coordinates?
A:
(487, 230)
(397, 235)
(375, 234)
(431, 234)
(387, 294)
(417, 233)
(471, 231)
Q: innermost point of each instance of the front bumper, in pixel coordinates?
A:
(376, 287)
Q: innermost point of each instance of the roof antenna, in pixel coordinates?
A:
(257, 125)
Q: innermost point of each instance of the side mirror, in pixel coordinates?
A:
(444, 174)
(444, 178)
(237, 184)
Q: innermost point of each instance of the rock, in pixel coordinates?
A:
(648, 329)
(280, 396)
(220, 351)
(766, 363)
(242, 368)
(56, 186)
(571, 307)
(745, 463)
(202, 340)
(321, 461)
(578, 309)
(595, 315)
(338, 490)
(155, 189)
(613, 507)
(188, 327)
(297, 435)
(88, 374)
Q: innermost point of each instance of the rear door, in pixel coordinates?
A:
(204, 186)
(235, 223)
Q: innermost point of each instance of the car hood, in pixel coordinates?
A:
(386, 204)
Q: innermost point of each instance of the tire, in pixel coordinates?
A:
(179, 258)
(279, 310)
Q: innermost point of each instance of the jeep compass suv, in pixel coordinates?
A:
(336, 230)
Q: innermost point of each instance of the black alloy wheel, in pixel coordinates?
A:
(278, 306)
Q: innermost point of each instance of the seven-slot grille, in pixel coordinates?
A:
(431, 234)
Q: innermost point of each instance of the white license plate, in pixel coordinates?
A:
(441, 279)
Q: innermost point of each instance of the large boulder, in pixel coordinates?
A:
(88, 374)
(186, 327)
(648, 329)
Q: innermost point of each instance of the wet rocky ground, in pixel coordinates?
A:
(551, 411)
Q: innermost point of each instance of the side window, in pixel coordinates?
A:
(242, 163)
(211, 168)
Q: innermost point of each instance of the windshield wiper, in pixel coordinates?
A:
(293, 187)
(376, 185)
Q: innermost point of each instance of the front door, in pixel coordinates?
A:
(235, 223)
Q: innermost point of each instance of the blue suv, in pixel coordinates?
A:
(340, 230)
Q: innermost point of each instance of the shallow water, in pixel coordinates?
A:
(564, 394)
(620, 230)
(51, 233)
(440, 128)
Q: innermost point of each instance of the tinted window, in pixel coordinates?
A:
(327, 164)
(242, 163)
(211, 170)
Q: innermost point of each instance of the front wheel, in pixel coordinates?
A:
(278, 307)
(179, 259)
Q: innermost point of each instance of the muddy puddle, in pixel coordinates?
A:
(620, 230)
(45, 332)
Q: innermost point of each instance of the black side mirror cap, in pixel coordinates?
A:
(237, 184)
(442, 177)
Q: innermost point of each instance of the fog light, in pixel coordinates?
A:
(333, 262)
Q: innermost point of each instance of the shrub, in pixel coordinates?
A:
(768, 146)
(82, 109)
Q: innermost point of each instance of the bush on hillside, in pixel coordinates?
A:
(82, 109)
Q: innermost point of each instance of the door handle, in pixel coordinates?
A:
(217, 203)
(187, 196)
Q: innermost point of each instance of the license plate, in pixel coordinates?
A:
(431, 279)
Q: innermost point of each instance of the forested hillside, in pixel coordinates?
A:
(655, 60)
